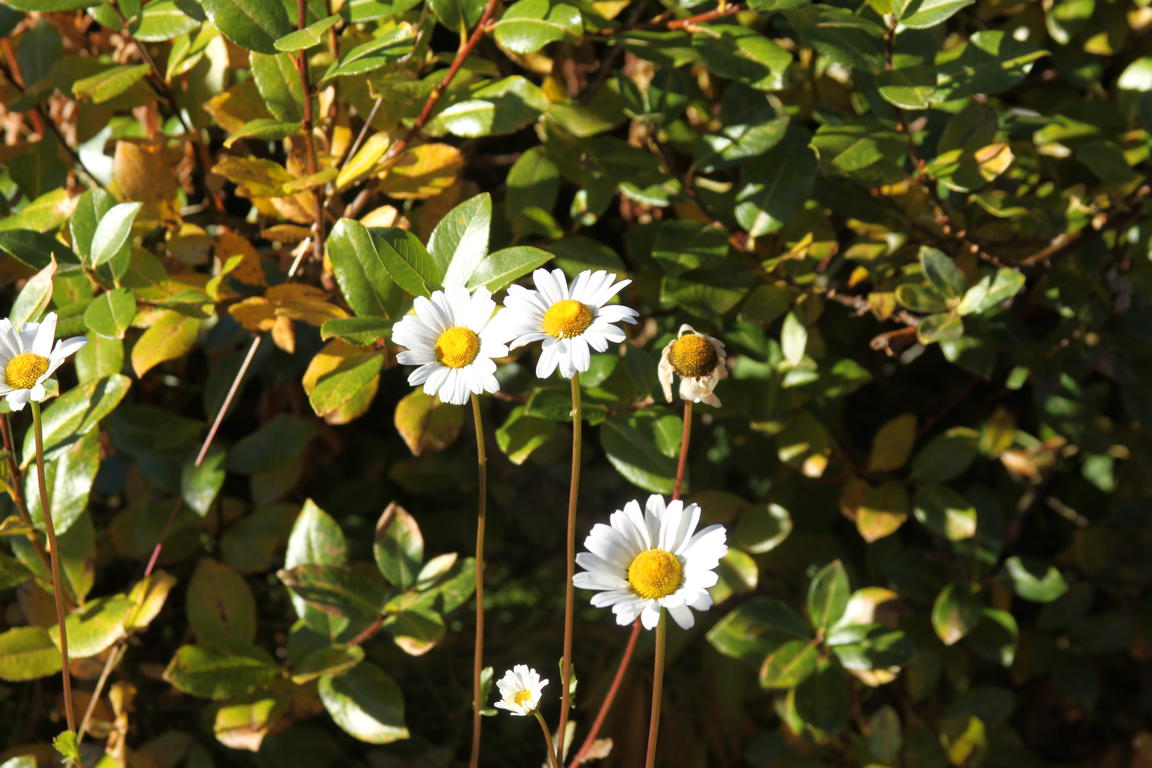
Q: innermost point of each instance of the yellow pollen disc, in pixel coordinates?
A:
(692, 355)
(23, 370)
(457, 347)
(655, 573)
(567, 318)
(522, 697)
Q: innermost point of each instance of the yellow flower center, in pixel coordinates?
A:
(567, 318)
(23, 370)
(655, 573)
(522, 697)
(692, 355)
(457, 347)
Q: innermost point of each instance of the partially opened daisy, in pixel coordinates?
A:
(451, 337)
(29, 359)
(699, 361)
(520, 690)
(571, 321)
(644, 561)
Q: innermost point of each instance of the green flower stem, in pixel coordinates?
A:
(553, 758)
(54, 552)
(569, 589)
(481, 513)
(657, 689)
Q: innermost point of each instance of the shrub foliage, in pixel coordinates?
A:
(918, 225)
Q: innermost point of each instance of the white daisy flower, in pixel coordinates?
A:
(29, 359)
(644, 561)
(452, 338)
(520, 690)
(567, 320)
(699, 360)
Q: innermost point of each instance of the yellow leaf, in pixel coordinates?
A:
(285, 233)
(882, 511)
(170, 336)
(284, 334)
(255, 176)
(426, 424)
(423, 171)
(385, 216)
(147, 173)
(893, 443)
(295, 301)
(250, 271)
(364, 161)
(335, 356)
(238, 105)
(994, 159)
(149, 595)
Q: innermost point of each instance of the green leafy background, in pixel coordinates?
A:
(919, 226)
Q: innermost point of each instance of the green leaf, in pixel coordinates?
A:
(67, 746)
(366, 703)
(398, 547)
(942, 273)
(357, 331)
(47, 6)
(793, 339)
(278, 81)
(264, 129)
(774, 185)
(495, 109)
(459, 242)
(871, 646)
(892, 444)
(991, 291)
(372, 55)
(74, 414)
(828, 594)
(112, 232)
(359, 270)
(27, 653)
(946, 456)
(316, 539)
(426, 424)
(921, 14)
(521, 434)
(921, 298)
(945, 512)
(95, 626)
(107, 85)
(745, 55)
(111, 313)
(34, 249)
(789, 664)
(200, 485)
(823, 700)
(633, 446)
(220, 605)
(761, 528)
(69, 477)
(346, 382)
(310, 36)
(1033, 579)
(989, 62)
(865, 151)
(162, 20)
(756, 627)
(33, 297)
(350, 593)
(218, 674)
(416, 630)
(406, 260)
(329, 660)
(252, 24)
(681, 246)
(909, 87)
(93, 205)
(277, 442)
(956, 611)
(529, 25)
(940, 327)
(501, 268)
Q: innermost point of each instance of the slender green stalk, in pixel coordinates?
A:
(553, 758)
(569, 588)
(657, 690)
(54, 552)
(481, 513)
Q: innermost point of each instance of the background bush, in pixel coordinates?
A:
(918, 225)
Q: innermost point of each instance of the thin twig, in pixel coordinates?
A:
(1065, 240)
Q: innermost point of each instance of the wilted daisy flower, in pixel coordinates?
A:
(520, 690)
(452, 338)
(699, 361)
(29, 358)
(644, 561)
(567, 320)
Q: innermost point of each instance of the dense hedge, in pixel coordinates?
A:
(918, 226)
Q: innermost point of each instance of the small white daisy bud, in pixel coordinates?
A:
(700, 362)
(520, 690)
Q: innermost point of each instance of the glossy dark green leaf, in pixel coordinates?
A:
(775, 184)
(366, 703)
(398, 547)
(527, 26)
(1033, 579)
(252, 24)
(956, 611)
(221, 607)
(219, 674)
(278, 81)
(632, 446)
(755, 628)
(828, 595)
(459, 242)
(111, 313)
(277, 441)
(494, 109)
